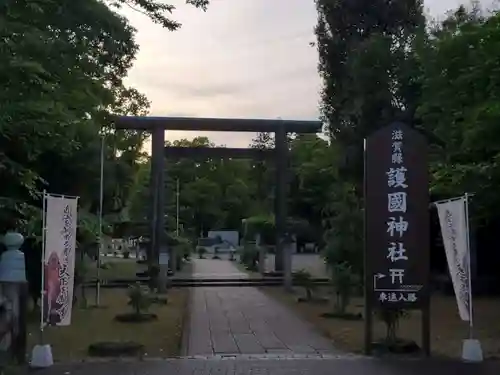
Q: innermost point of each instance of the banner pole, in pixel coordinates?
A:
(99, 246)
(450, 199)
(471, 319)
(42, 288)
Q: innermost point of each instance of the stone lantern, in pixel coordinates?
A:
(12, 265)
(13, 284)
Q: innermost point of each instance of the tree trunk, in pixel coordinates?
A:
(83, 293)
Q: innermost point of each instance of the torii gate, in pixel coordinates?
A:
(157, 127)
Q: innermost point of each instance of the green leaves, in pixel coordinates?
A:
(379, 64)
(157, 11)
(61, 67)
(459, 104)
(366, 62)
(140, 298)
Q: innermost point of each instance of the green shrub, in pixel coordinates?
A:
(304, 279)
(250, 257)
(178, 258)
(344, 282)
(153, 273)
(216, 253)
(139, 298)
(184, 247)
(201, 252)
(391, 318)
(106, 266)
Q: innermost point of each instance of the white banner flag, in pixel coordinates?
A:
(453, 220)
(59, 259)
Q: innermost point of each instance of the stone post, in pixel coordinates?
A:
(262, 254)
(173, 260)
(262, 259)
(287, 243)
(14, 289)
(164, 261)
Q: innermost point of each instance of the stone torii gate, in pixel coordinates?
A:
(157, 127)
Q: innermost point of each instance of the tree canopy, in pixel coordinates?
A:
(384, 61)
(62, 69)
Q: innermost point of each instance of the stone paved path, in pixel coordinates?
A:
(246, 321)
(241, 331)
(229, 320)
(215, 269)
(340, 366)
(312, 263)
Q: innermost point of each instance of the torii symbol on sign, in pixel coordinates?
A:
(376, 277)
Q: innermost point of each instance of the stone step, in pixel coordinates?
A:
(118, 283)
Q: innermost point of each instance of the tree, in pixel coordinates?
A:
(62, 71)
(62, 66)
(459, 106)
(157, 11)
(313, 173)
(65, 99)
(262, 172)
(370, 78)
(343, 225)
(379, 64)
(366, 65)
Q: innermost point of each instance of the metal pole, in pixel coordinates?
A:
(42, 292)
(177, 208)
(471, 323)
(452, 199)
(99, 245)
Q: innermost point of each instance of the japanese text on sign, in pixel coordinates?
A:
(397, 223)
(397, 218)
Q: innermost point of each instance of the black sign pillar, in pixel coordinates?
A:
(397, 225)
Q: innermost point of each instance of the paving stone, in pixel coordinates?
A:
(224, 343)
(340, 366)
(279, 351)
(245, 320)
(248, 344)
(270, 341)
(215, 269)
(303, 349)
(260, 327)
(240, 327)
(320, 344)
(220, 328)
(200, 347)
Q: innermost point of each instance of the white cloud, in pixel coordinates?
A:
(241, 58)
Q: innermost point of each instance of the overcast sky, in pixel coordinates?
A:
(242, 58)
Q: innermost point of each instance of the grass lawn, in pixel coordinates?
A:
(161, 338)
(447, 330)
(116, 268)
